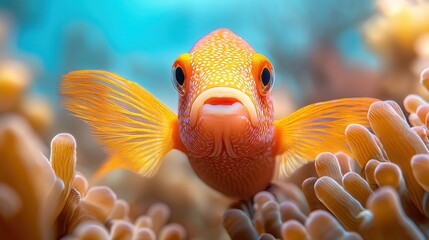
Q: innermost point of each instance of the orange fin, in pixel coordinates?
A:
(113, 162)
(129, 121)
(317, 128)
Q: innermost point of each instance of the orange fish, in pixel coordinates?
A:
(225, 122)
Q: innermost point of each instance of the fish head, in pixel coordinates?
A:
(223, 84)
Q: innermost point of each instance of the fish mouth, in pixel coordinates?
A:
(223, 101)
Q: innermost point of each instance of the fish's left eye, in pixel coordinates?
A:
(267, 80)
(263, 73)
(266, 77)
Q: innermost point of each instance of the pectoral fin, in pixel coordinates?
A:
(317, 128)
(132, 125)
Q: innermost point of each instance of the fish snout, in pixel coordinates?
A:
(223, 104)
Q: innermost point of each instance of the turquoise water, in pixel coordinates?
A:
(140, 39)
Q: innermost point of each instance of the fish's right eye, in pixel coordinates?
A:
(179, 75)
(178, 79)
(180, 72)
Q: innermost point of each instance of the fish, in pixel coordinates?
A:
(225, 120)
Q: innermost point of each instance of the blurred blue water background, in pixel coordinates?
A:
(140, 39)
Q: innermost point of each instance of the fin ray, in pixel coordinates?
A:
(134, 126)
(317, 128)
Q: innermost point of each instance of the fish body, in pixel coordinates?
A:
(225, 122)
(225, 148)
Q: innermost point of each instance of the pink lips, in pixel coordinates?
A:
(221, 101)
(223, 108)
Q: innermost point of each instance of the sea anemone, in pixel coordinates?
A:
(47, 199)
(15, 79)
(399, 35)
(381, 193)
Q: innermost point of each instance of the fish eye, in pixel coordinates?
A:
(266, 76)
(180, 72)
(178, 79)
(179, 75)
(263, 73)
(267, 80)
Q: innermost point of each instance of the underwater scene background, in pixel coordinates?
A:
(321, 50)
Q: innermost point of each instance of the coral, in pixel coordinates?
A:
(420, 166)
(21, 161)
(363, 144)
(357, 187)
(346, 208)
(332, 229)
(16, 77)
(239, 225)
(381, 192)
(385, 196)
(388, 219)
(193, 204)
(60, 203)
(398, 34)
